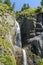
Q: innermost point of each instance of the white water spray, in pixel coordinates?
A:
(18, 35)
(24, 58)
(19, 43)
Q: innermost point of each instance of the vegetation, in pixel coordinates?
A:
(5, 27)
(13, 6)
(31, 12)
(0, 1)
(6, 57)
(25, 6)
(42, 2)
(7, 2)
(41, 62)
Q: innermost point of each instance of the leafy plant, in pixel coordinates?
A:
(41, 62)
(0, 1)
(7, 59)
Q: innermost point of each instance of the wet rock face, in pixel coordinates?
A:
(32, 59)
(1, 50)
(27, 30)
(18, 55)
(36, 45)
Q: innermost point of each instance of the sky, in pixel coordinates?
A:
(19, 3)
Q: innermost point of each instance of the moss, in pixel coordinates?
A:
(31, 12)
(41, 62)
(35, 56)
(27, 13)
(5, 8)
(5, 28)
(7, 59)
(5, 43)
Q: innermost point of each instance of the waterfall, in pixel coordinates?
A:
(18, 35)
(19, 43)
(24, 57)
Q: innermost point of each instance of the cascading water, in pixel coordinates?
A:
(24, 57)
(19, 43)
(18, 35)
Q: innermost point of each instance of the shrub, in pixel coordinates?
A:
(41, 62)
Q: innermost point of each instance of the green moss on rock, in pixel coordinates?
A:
(4, 8)
(6, 57)
(41, 62)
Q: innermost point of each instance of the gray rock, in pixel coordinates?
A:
(27, 30)
(1, 64)
(1, 50)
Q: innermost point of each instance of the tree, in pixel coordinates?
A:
(7, 2)
(13, 6)
(0, 1)
(42, 2)
(25, 6)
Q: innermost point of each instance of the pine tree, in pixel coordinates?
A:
(42, 2)
(13, 6)
(25, 6)
(0, 1)
(7, 2)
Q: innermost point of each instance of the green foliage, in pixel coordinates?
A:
(4, 8)
(0, 1)
(31, 12)
(7, 59)
(13, 6)
(25, 6)
(5, 43)
(7, 2)
(42, 2)
(38, 10)
(41, 62)
(4, 28)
